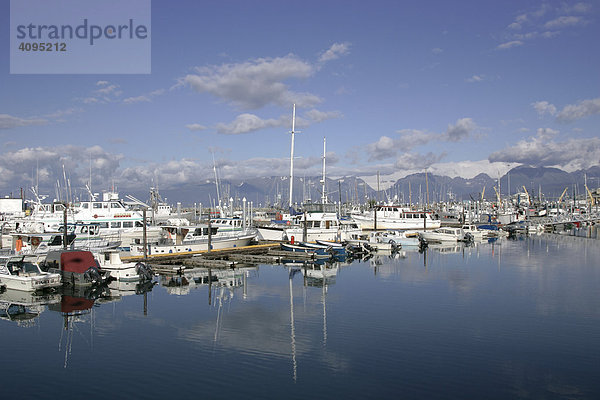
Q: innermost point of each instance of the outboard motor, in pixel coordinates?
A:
(144, 271)
(422, 244)
(469, 237)
(395, 246)
(92, 275)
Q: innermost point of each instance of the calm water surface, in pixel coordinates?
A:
(510, 319)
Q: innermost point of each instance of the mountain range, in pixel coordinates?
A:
(416, 188)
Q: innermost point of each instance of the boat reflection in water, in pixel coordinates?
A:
(25, 307)
(411, 318)
(182, 282)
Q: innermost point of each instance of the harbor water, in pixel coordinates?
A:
(515, 318)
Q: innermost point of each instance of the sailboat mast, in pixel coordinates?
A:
(292, 155)
(323, 195)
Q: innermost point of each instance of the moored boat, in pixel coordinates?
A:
(445, 234)
(23, 273)
(77, 267)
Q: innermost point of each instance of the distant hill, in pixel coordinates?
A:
(275, 190)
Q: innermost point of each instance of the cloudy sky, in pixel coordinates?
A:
(456, 88)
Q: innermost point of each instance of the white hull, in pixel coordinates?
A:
(30, 283)
(217, 243)
(439, 237)
(312, 234)
(271, 234)
(368, 222)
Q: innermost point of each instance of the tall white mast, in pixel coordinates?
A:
(292, 155)
(216, 180)
(323, 194)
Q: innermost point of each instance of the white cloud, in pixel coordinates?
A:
(138, 99)
(108, 90)
(106, 94)
(334, 52)
(543, 150)
(385, 147)
(475, 78)
(417, 162)
(509, 45)
(20, 163)
(319, 116)
(144, 98)
(563, 21)
(255, 83)
(532, 23)
(580, 110)
(437, 50)
(543, 107)
(463, 128)
(577, 8)
(62, 113)
(9, 121)
(408, 139)
(195, 127)
(245, 123)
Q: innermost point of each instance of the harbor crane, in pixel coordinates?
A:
(497, 195)
(527, 193)
(562, 195)
(592, 201)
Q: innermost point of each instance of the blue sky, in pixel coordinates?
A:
(456, 88)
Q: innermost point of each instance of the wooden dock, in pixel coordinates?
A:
(267, 253)
(213, 254)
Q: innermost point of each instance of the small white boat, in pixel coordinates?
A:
(402, 238)
(446, 234)
(377, 241)
(110, 261)
(472, 230)
(24, 273)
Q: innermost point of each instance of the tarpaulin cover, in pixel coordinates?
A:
(77, 261)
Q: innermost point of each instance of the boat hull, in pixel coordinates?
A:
(217, 243)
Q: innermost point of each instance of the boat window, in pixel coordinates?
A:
(115, 205)
(127, 224)
(138, 224)
(55, 240)
(97, 205)
(327, 224)
(59, 207)
(85, 205)
(103, 224)
(30, 267)
(105, 205)
(115, 224)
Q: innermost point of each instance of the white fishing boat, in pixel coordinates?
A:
(395, 217)
(24, 273)
(178, 239)
(472, 230)
(320, 222)
(377, 241)
(402, 238)
(110, 262)
(445, 234)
